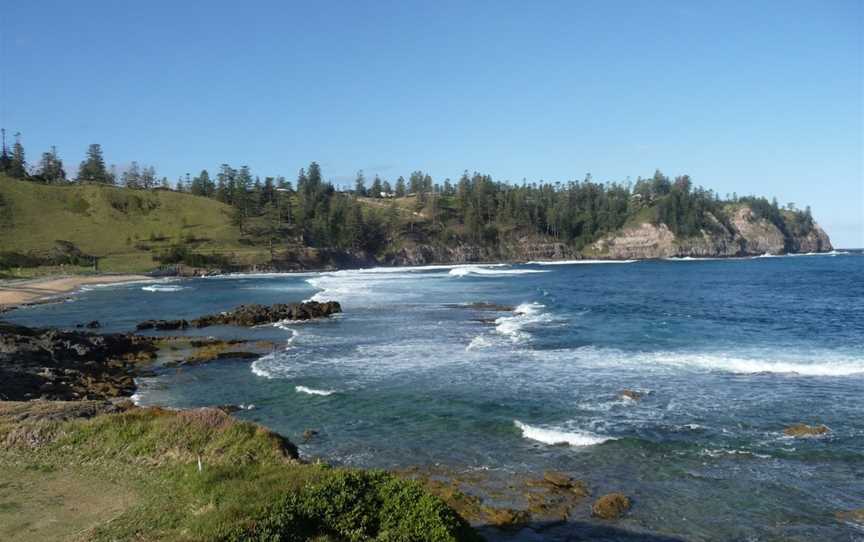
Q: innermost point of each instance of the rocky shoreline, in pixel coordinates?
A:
(72, 365)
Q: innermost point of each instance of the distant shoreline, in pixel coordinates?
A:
(30, 292)
(17, 293)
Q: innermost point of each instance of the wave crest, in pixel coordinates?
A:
(466, 271)
(313, 391)
(163, 288)
(556, 435)
(577, 262)
(524, 315)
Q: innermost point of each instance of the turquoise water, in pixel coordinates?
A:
(726, 352)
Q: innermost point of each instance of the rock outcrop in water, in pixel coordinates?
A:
(254, 315)
(802, 430)
(162, 325)
(251, 315)
(68, 365)
(611, 506)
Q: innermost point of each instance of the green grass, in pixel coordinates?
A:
(123, 227)
(146, 460)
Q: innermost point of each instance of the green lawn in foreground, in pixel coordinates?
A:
(135, 475)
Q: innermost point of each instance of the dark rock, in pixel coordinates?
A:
(93, 325)
(309, 434)
(162, 325)
(65, 365)
(611, 506)
(254, 315)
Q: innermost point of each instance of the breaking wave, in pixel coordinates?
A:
(829, 364)
(691, 259)
(577, 262)
(465, 271)
(313, 391)
(523, 316)
(478, 343)
(258, 368)
(558, 435)
(163, 288)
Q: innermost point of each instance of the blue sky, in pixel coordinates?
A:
(747, 97)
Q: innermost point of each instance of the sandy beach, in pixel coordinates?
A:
(14, 293)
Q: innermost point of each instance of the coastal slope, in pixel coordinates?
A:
(79, 227)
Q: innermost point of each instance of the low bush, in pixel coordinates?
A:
(358, 506)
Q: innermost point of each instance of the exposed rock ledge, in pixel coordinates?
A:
(746, 235)
(251, 315)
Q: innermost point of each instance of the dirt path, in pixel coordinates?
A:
(56, 505)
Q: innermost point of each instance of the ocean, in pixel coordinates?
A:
(496, 372)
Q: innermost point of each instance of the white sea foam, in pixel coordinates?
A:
(163, 288)
(821, 363)
(829, 253)
(560, 435)
(577, 262)
(478, 343)
(283, 325)
(313, 391)
(690, 259)
(524, 315)
(259, 366)
(743, 365)
(708, 452)
(362, 286)
(275, 275)
(414, 268)
(90, 287)
(466, 271)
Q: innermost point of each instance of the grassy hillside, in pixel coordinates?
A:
(124, 228)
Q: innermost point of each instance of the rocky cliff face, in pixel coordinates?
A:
(745, 235)
(525, 249)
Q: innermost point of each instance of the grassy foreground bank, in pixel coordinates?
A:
(92, 471)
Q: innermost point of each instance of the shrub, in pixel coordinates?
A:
(126, 203)
(357, 506)
(9, 260)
